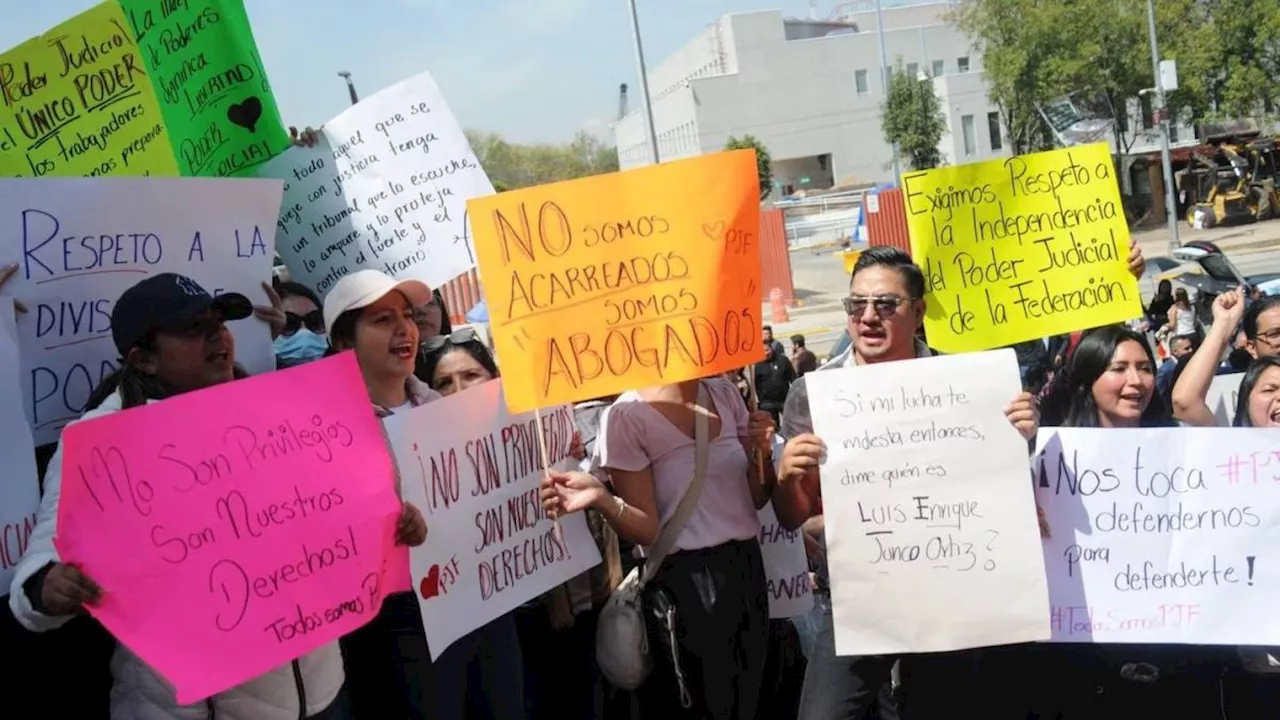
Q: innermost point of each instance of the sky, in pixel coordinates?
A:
(532, 70)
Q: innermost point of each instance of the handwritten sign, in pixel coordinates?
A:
(1222, 397)
(236, 528)
(624, 280)
(20, 488)
(1161, 535)
(474, 471)
(213, 92)
(77, 101)
(785, 567)
(385, 189)
(80, 243)
(1021, 248)
(928, 510)
(139, 87)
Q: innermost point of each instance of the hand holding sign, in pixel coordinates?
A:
(257, 516)
(1023, 415)
(411, 527)
(65, 590)
(926, 496)
(478, 472)
(570, 492)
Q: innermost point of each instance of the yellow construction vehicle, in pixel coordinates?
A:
(1217, 179)
(1232, 182)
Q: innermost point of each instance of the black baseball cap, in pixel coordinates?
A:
(167, 300)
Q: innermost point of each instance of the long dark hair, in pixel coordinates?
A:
(1070, 402)
(1251, 377)
(446, 327)
(427, 361)
(135, 386)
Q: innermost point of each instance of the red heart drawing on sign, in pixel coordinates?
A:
(431, 583)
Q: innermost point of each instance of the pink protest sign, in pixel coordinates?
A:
(236, 528)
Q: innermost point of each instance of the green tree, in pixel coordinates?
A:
(1014, 47)
(1246, 34)
(515, 165)
(764, 163)
(1227, 51)
(912, 117)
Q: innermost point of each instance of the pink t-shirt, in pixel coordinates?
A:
(634, 436)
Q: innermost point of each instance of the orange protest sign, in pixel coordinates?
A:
(621, 281)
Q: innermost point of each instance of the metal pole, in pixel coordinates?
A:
(644, 81)
(884, 80)
(1170, 195)
(351, 87)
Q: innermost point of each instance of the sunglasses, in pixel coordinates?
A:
(313, 321)
(885, 305)
(457, 337)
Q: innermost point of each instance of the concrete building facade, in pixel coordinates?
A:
(811, 91)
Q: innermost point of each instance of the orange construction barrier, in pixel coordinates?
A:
(777, 306)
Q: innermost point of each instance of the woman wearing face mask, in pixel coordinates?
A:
(303, 338)
(172, 337)
(371, 313)
(1110, 382)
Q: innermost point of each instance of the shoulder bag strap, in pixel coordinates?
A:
(673, 527)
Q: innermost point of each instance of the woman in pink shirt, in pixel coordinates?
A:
(713, 576)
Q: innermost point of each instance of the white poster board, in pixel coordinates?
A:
(785, 567)
(474, 471)
(19, 484)
(1161, 535)
(932, 538)
(80, 242)
(386, 188)
(1221, 397)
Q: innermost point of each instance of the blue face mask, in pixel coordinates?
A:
(300, 347)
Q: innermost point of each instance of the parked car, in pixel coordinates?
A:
(1217, 275)
(841, 345)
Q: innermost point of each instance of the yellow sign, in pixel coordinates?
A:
(77, 101)
(1021, 248)
(622, 281)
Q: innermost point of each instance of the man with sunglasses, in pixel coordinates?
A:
(886, 308)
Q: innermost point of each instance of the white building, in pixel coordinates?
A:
(811, 91)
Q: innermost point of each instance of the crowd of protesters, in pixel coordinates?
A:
(716, 652)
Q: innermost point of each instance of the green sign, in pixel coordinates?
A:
(212, 89)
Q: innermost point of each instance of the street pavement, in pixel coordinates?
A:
(820, 281)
